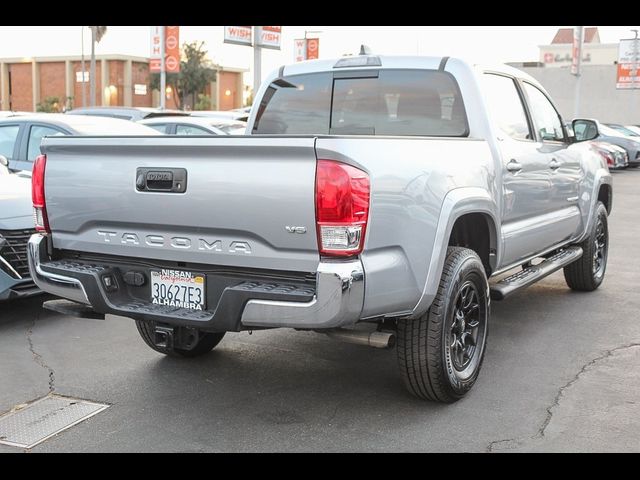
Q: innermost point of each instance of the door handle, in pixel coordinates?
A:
(513, 166)
(554, 164)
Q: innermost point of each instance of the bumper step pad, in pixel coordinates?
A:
(224, 312)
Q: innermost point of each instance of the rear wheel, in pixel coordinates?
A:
(440, 353)
(205, 342)
(587, 273)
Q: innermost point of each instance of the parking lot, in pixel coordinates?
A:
(561, 373)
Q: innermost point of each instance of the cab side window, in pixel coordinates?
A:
(545, 117)
(506, 106)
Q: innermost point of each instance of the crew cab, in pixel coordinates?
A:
(376, 199)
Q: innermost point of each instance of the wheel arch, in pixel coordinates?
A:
(458, 206)
(602, 190)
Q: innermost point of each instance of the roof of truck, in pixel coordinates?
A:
(400, 62)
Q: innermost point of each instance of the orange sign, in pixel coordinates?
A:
(313, 48)
(628, 76)
(172, 49)
(628, 64)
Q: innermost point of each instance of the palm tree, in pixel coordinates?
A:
(96, 35)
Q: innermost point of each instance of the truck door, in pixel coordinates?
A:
(526, 185)
(564, 164)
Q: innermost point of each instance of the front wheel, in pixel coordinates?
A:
(205, 343)
(587, 273)
(440, 353)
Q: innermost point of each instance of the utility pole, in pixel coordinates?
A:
(634, 68)
(163, 73)
(84, 84)
(576, 66)
(92, 74)
(257, 60)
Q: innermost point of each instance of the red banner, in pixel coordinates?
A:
(313, 48)
(172, 49)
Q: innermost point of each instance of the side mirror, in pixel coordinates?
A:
(584, 129)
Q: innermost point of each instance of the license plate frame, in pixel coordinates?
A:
(188, 284)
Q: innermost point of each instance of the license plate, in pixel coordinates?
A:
(177, 288)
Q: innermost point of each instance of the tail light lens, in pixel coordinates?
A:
(37, 195)
(608, 158)
(342, 208)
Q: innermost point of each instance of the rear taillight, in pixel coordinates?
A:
(37, 195)
(342, 208)
(608, 158)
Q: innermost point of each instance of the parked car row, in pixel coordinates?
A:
(20, 137)
(606, 137)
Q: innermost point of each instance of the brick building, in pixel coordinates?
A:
(121, 80)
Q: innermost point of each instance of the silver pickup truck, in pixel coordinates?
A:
(397, 193)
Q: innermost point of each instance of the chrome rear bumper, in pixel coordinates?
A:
(336, 300)
(62, 286)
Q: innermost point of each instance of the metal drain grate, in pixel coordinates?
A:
(33, 423)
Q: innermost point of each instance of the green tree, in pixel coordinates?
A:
(49, 105)
(204, 102)
(196, 71)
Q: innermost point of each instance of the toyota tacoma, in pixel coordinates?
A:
(398, 193)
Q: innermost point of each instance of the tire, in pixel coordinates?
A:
(587, 273)
(429, 347)
(206, 342)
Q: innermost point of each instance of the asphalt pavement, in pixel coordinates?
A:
(561, 374)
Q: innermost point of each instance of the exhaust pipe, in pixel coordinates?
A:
(368, 339)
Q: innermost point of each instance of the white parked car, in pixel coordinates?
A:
(195, 125)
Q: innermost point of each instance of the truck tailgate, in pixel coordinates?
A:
(241, 194)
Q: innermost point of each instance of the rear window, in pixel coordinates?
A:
(391, 102)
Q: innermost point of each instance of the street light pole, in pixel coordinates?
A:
(92, 75)
(576, 66)
(634, 65)
(257, 59)
(84, 83)
(163, 74)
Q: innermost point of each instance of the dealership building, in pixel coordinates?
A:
(121, 80)
(599, 98)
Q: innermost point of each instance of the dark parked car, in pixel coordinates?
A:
(195, 126)
(126, 113)
(589, 129)
(20, 136)
(16, 226)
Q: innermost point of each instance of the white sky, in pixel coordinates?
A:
(482, 44)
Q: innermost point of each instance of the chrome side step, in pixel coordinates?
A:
(531, 275)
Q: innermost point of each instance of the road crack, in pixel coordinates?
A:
(489, 448)
(556, 400)
(540, 433)
(38, 358)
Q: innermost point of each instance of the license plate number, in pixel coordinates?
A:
(178, 288)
